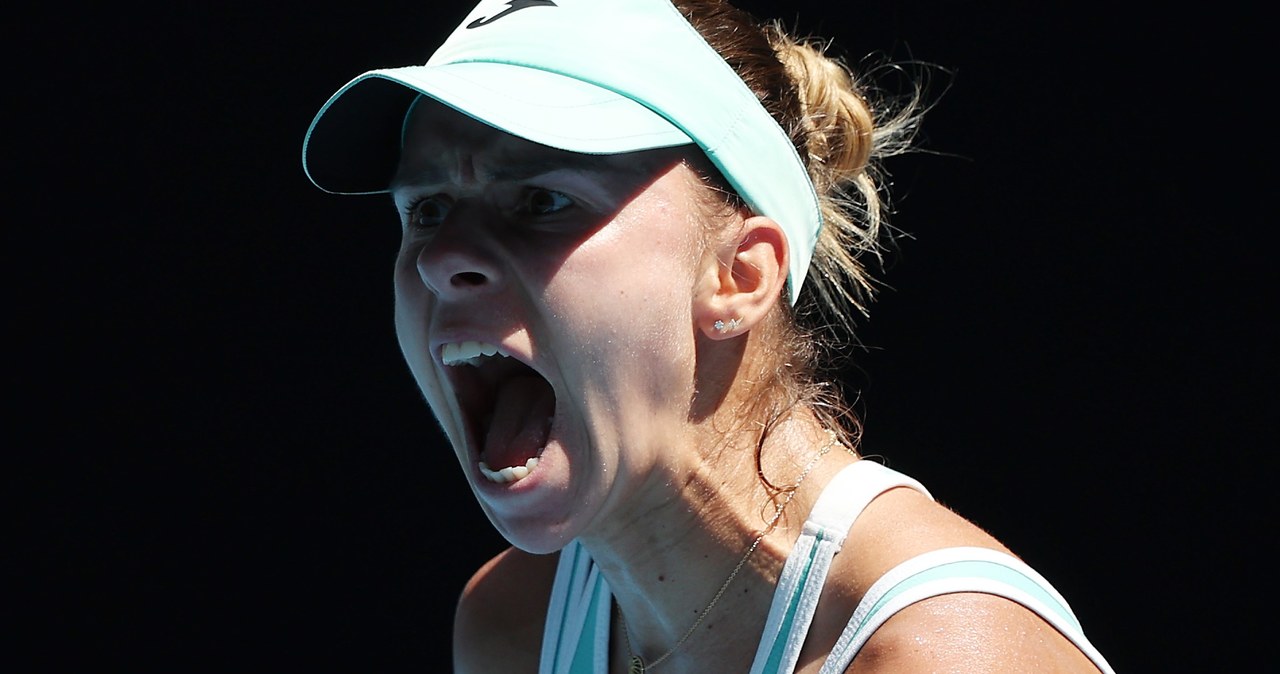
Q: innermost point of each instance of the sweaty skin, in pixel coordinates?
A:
(578, 267)
(532, 280)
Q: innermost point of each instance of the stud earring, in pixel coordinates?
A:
(732, 325)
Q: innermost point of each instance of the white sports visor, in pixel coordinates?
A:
(589, 76)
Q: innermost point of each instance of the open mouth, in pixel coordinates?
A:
(508, 406)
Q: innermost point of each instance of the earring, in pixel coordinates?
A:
(732, 325)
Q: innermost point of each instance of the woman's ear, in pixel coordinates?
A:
(749, 275)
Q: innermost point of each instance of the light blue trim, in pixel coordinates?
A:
(640, 76)
(784, 632)
(584, 656)
(979, 569)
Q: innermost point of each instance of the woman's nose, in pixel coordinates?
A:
(459, 259)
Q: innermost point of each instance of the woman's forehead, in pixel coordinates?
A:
(440, 142)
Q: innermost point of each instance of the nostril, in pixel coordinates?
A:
(468, 279)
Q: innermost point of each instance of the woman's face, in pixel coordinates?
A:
(544, 305)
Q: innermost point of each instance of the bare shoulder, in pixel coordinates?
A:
(958, 632)
(501, 612)
(969, 632)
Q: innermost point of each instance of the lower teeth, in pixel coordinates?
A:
(510, 473)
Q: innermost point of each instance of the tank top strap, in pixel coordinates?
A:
(958, 569)
(805, 571)
(575, 638)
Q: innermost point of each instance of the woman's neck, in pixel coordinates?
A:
(711, 523)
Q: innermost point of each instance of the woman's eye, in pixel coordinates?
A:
(540, 201)
(428, 212)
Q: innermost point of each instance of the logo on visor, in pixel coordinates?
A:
(516, 5)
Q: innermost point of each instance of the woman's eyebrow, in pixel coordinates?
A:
(518, 164)
(520, 168)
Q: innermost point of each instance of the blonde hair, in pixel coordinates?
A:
(844, 143)
(842, 134)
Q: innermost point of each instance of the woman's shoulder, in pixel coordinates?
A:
(966, 630)
(500, 615)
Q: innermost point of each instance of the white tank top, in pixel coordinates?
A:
(576, 637)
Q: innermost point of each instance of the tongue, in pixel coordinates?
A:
(522, 411)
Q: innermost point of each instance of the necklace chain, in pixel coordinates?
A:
(636, 664)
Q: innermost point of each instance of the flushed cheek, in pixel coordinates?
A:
(413, 302)
(411, 328)
(629, 369)
(411, 310)
(624, 300)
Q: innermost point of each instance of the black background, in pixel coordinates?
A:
(229, 466)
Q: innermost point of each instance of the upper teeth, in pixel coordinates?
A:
(468, 353)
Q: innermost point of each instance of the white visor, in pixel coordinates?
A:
(589, 76)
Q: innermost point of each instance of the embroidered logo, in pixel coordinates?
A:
(515, 5)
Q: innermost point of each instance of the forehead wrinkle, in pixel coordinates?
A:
(520, 163)
(423, 174)
(503, 157)
(432, 152)
(509, 163)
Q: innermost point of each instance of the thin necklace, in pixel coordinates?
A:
(636, 664)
